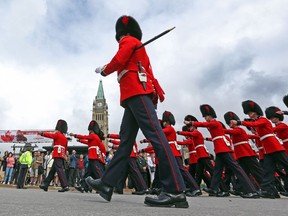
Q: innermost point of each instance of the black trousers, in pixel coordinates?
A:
(192, 169)
(227, 159)
(251, 166)
(269, 165)
(57, 166)
(22, 174)
(72, 176)
(140, 113)
(95, 169)
(204, 165)
(133, 171)
(188, 179)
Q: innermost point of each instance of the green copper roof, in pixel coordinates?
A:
(100, 93)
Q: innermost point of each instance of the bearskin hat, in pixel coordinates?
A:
(168, 117)
(190, 118)
(93, 125)
(207, 110)
(127, 24)
(285, 100)
(270, 112)
(251, 106)
(228, 116)
(62, 126)
(184, 128)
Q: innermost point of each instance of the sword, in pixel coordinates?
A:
(154, 38)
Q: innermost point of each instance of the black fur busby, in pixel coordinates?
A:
(127, 24)
(251, 106)
(270, 112)
(93, 125)
(207, 110)
(62, 126)
(285, 100)
(168, 117)
(184, 128)
(228, 116)
(190, 118)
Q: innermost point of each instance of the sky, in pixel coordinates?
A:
(220, 53)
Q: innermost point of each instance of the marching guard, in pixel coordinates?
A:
(59, 155)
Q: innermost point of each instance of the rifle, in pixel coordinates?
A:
(154, 38)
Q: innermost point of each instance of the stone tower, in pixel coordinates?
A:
(100, 110)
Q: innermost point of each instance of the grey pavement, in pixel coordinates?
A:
(33, 201)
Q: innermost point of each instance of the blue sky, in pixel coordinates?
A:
(221, 53)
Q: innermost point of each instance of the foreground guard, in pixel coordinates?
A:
(137, 100)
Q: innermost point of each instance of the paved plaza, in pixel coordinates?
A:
(33, 201)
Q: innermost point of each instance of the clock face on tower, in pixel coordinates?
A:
(99, 104)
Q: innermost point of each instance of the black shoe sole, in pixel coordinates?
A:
(105, 196)
(177, 205)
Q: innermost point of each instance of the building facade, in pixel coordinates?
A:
(100, 110)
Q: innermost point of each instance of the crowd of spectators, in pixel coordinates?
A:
(75, 165)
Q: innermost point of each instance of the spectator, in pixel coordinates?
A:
(143, 166)
(151, 166)
(34, 173)
(72, 169)
(10, 161)
(25, 163)
(80, 168)
(4, 162)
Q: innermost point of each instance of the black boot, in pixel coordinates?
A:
(104, 190)
(64, 189)
(43, 187)
(167, 200)
(210, 191)
(193, 193)
(79, 188)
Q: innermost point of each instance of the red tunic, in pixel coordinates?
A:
(191, 148)
(281, 131)
(198, 143)
(240, 140)
(221, 144)
(134, 151)
(95, 146)
(125, 59)
(60, 143)
(265, 131)
(170, 134)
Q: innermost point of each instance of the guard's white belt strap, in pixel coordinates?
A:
(240, 143)
(222, 137)
(201, 145)
(265, 136)
(59, 148)
(217, 137)
(121, 74)
(178, 147)
(285, 140)
(261, 147)
(92, 147)
(191, 152)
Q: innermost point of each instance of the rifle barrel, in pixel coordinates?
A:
(154, 38)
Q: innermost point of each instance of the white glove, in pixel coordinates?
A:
(98, 70)
(110, 145)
